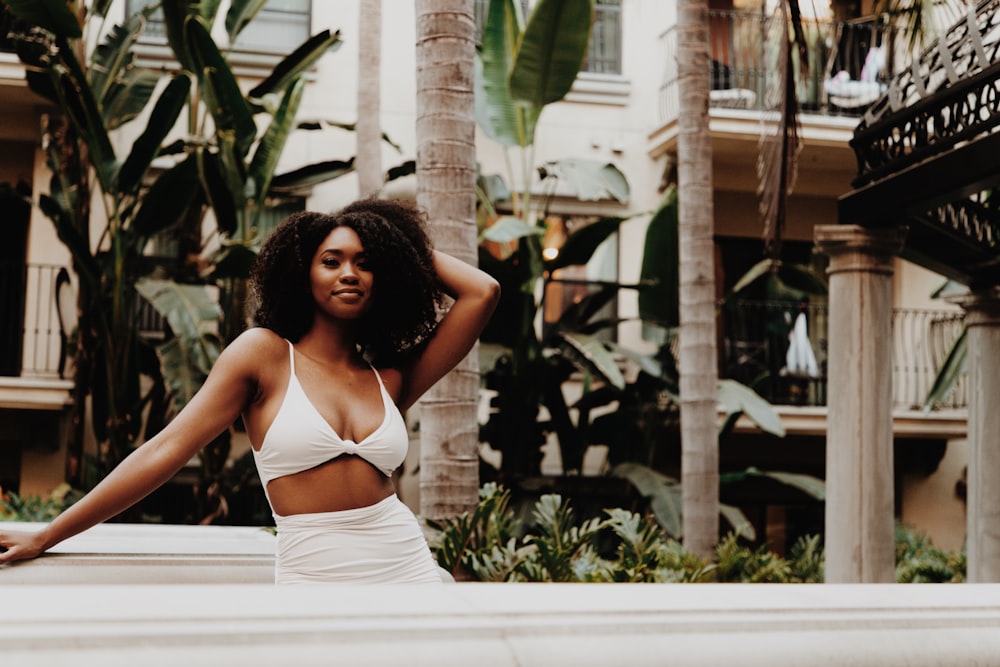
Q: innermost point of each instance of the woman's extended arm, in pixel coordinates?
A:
(476, 294)
(228, 388)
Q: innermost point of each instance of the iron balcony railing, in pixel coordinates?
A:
(847, 64)
(37, 314)
(756, 336)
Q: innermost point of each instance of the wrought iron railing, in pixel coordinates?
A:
(846, 61)
(756, 336)
(32, 342)
(37, 302)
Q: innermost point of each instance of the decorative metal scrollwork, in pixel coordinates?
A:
(950, 94)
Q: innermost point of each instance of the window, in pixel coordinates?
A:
(605, 53)
(279, 28)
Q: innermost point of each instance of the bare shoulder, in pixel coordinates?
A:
(392, 378)
(254, 351)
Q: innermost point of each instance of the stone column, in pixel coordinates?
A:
(982, 322)
(860, 519)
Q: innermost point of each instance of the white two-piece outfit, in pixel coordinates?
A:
(381, 543)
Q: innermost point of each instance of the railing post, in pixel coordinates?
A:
(982, 323)
(859, 462)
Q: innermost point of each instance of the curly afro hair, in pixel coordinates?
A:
(398, 251)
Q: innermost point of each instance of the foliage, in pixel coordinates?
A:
(491, 544)
(223, 164)
(14, 507)
(919, 561)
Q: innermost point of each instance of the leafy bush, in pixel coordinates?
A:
(14, 507)
(491, 544)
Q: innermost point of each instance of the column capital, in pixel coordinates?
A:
(982, 307)
(857, 248)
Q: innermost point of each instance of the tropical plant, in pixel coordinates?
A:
(15, 507)
(222, 163)
(919, 561)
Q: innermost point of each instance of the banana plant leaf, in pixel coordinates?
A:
(83, 111)
(581, 244)
(551, 51)
(240, 14)
(187, 358)
(86, 266)
(169, 198)
(589, 180)
(812, 486)
(164, 116)
(497, 114)
(664, 494)
(56, 16)
(736, 398)
(219, 87)
(113, 58)
(660, 303)
(955, 365)
(295, 64)
(128, 97)
(220, 193)
(591, 353)
(311, 174)
(509, 228)
(269, 148)
(795, 277)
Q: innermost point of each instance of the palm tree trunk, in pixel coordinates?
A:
(368, 160)
(446, 175)
(698, 365)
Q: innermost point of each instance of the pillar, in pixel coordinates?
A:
(982, 322)
(860, 531)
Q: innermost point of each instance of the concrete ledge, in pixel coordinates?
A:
(696, 625)
(150, 554)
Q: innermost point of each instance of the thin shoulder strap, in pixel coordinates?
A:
(291, 357)
(377, 377)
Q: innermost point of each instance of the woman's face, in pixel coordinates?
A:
(342, 283)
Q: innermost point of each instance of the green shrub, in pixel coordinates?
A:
(14, 507)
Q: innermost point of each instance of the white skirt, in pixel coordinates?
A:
(378, 544)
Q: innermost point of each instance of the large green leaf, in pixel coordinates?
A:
(500, 118)
(796, 279)
(738, 521)
(269, 148)
(812, 486)
(113, 56)
(663, 492)
(176, 14)
(581, 244)
(224, 202)
(86, 266)
(312, 174)
(129, 96)
(240, 14)
(189, 309)
(168, 199)
(56, 16)
(219, 87)
(296, 64)
(183, 363)
(78, 100)
(589, 180)
(594, 356)
(660, 303)
(736, 398)
(162, 119)
(509, 228)
(551, 51)
(954, 367)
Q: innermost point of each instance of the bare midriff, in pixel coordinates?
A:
(344, 483)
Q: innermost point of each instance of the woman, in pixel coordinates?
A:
(346, 338)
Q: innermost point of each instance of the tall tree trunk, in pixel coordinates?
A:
(698, 365)
(368, 160)
(446, 178)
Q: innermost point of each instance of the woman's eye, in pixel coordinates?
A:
(331, 262)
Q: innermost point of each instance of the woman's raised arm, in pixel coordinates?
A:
(230, 386)
(476, 294)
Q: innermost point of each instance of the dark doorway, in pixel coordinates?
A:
(13, 274)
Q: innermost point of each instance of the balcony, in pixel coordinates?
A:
(755, 338)
(846, 72)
